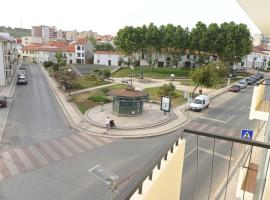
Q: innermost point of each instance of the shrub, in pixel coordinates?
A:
(47, 64)
(75, 86)
(55, 67)
(166, 90)
(105, 90)
(99, 98)
(107, 73)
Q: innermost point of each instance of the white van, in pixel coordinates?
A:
(199, 103)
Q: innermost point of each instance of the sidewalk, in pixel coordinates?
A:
(84, 125)
(7, 91)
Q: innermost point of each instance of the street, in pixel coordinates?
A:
(34, 114)
(35, 128)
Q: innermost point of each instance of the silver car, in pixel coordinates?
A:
(243, 84)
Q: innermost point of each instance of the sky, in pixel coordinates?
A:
(108, 16)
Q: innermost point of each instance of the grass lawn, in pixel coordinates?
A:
(178, 99)
(89, 81)
(161, 73)
(85, 101)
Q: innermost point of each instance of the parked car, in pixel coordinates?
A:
(3, 101)
(260, 75)
(199, 103)
(250, 81)
(256, 78)
(22, 80)
(243, 84)
(235, 88)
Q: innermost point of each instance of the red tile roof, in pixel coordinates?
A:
(81, 42)
(70, 48)
(108, 52)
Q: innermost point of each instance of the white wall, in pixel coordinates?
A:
(2, 68)
(248, 61)
(103, 59)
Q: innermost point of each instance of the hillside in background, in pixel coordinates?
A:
(16, 32)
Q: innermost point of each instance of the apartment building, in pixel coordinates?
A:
(84, 51)
(45, 32)
(72, 35)
(8, 58)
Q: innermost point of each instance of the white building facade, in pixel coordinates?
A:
(8, 59)
(108, 58)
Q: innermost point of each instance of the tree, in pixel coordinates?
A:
(235, 42)
(104, 47)
(204, 76)
(268, 63)
(198, 39)
(93, 40)
(58, 56)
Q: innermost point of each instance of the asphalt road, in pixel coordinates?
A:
(227, 119)
(34, 115)
(69, 179)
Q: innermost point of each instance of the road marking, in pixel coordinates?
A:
(10, 164)
(216, 154)
(209, 152)
(50, 151)
(189, 153)
(243, 107)
(25, 160)
(211, 119)
(82, 142)
(217, 120)
(74, 146)
(62, 148)
(42, 160)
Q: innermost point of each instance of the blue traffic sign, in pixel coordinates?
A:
(246, 134)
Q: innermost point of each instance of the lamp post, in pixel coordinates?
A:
(69, 80)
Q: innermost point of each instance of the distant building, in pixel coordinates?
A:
(8, 58)
(27, 40)
(72, 35)
(80, 52)
(61, 35)
(84, 51)
(258, 58)
(45, 32)
(109, 58)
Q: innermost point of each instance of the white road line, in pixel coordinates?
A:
(38, 155)
(107, 140)
(1, 176)
(82, 142)
(73, 145)
(50, 151)
(62, 148)
(93, 140)
(189, 153)
(230, 118)
(10, 164)
(216, 154)
(202, 127)
(25, 160)
(243, 107)
(216, 120)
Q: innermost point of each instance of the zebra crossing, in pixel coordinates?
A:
(211, 129)
(31, 157)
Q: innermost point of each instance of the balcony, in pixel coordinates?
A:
(260, 105)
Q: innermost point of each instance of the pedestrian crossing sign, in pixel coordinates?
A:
(246, 134)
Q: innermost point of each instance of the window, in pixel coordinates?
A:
(78, 54)
(82, 54)
(194, 57)
(82, 47)
(78, 47)
(98, 61)
(188, 56)
(70, 55)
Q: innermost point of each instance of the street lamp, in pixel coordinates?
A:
(69, 80)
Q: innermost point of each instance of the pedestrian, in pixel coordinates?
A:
(107, 123)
